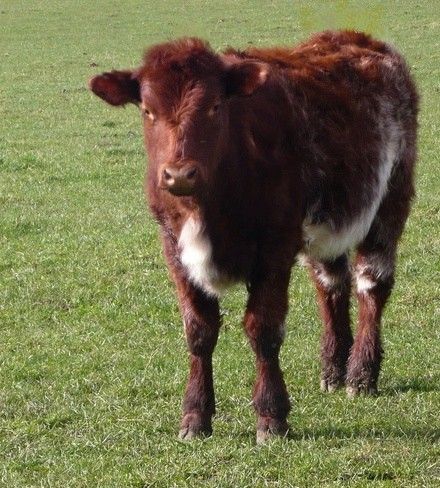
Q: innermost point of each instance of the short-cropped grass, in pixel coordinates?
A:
(92, 355)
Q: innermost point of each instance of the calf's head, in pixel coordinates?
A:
(183, 90)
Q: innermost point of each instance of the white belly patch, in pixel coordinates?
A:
(196, 257)
(323, 242)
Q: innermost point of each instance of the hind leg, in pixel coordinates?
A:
(333, 282)
(374, 272)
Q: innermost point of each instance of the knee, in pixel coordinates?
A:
(331, 277)
(200, 340)
(372, 279)
(200, 336)
(265, 335)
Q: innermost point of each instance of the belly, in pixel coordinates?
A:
(323, 242)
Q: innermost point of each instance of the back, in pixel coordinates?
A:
(340, 60)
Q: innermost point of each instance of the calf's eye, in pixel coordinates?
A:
(214, 109)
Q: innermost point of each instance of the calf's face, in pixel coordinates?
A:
(183, 91)
(185, 128)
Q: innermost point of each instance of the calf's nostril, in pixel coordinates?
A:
(191, 173)
(167, 175)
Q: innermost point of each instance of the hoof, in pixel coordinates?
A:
(329, 386)
(194, 426)
(354, 391)
(188, 434)
(268, 428)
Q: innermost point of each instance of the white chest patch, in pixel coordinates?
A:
(322, 242)
(196, 256)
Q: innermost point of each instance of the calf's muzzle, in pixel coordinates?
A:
(179, 180)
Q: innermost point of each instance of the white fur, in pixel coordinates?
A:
(326, 280)
(378, 267)
(364, 283)
(321, 241)
(196, 257)
(329, 281)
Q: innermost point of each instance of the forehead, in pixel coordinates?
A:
(166, 93)
(180, 70)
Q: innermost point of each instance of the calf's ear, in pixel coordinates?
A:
(116, 87)
(245, 77)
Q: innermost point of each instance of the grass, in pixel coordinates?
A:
(92, 355)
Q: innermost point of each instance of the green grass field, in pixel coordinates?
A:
(92, 355)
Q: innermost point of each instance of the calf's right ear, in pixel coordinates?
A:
(116, 87)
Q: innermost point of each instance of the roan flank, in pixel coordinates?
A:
(262, 156)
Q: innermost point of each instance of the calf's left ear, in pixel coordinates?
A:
(116, 87)
(245, 77)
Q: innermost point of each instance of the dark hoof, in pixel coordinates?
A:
(268, 428)
(194, 426)
(188, 434)
(361, 389)
(332, 376)
(329, 386)
(361, 381)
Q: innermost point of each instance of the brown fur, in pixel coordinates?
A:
(276, 138)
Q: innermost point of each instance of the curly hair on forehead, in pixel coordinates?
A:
(185, 55)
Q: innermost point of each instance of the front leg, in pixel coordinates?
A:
(201, 318)
(202, 322)
(264, 325)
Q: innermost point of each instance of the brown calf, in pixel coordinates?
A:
(257, 157)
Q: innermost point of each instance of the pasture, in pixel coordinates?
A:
(92, 355)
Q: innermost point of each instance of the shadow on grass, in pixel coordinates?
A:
(424, 384)
(378, 427)
(374, 431)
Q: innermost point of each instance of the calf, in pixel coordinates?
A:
(260, 156)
